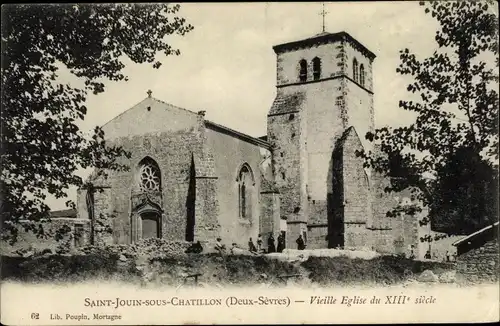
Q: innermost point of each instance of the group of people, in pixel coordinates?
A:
(271, 243)
(448, 257)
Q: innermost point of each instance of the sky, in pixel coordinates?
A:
(227, 66)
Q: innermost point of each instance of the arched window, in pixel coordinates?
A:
(316, 68)
(355, 72)
(303, 70)
(362, 75)
(149, 176)
(245, 191)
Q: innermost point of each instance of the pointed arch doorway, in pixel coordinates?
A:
(150, 225)
(147, 221)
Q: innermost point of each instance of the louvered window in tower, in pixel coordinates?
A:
(303, 70)
(316, 68)
(355, 72)
(362, 75)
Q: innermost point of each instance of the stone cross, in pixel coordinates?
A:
(149, 92)
(323, 13)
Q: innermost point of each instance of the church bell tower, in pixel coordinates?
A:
(324, 86)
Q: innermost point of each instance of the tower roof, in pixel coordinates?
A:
(323, 38)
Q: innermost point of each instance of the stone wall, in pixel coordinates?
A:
(480, 264)
(284, 129)
(382, 202)
(269, 215)
(324, 127)
(174, 139)
(288, 62)
(145, 248)
(381, 240)
(350, 194)
(355, 235)
(317, 236)
(351, 53)
(232, 151)
(322, 109)
(358, 99)
(77, 234)
(173, 152)
(149, 116)
(284, 134)
(355, 181)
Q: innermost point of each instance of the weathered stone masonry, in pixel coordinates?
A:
(323, 186)
(184, 181)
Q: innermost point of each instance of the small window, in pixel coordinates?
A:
(355, 72)
(293, 135)
(303, 70)
(283, 175)
(316, 68)
(281, 154)
(291, 117)
(362, 75)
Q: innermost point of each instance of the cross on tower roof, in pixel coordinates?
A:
(323, 13)
(149, 92)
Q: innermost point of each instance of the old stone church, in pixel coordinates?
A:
(192, 179)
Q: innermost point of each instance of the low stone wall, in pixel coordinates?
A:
(76, 233)
(146, 248)
(480, 264)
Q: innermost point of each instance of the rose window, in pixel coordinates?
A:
(149, 178)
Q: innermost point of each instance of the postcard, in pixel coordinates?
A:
(235, 163)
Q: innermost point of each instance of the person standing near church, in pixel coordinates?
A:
(251, 246)
(259, 242)
(270, 243)
(219, 247)
(301, 245)
(281, 243)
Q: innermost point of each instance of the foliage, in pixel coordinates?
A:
(380, 270)
(237, 269)
(60, 268)
(453, 95)
(42, 146)
(450, 213)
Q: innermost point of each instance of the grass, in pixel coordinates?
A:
(380, 270)
(241, 270)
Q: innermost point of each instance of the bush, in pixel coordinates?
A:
(64, 268)
(232, 269)
(384, 269)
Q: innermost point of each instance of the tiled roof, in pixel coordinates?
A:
(237, 134)
(287, 102)
(475, 234)
(341, 141)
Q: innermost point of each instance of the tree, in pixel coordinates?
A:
(42, 146)
(466, 189)
(453, 95)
